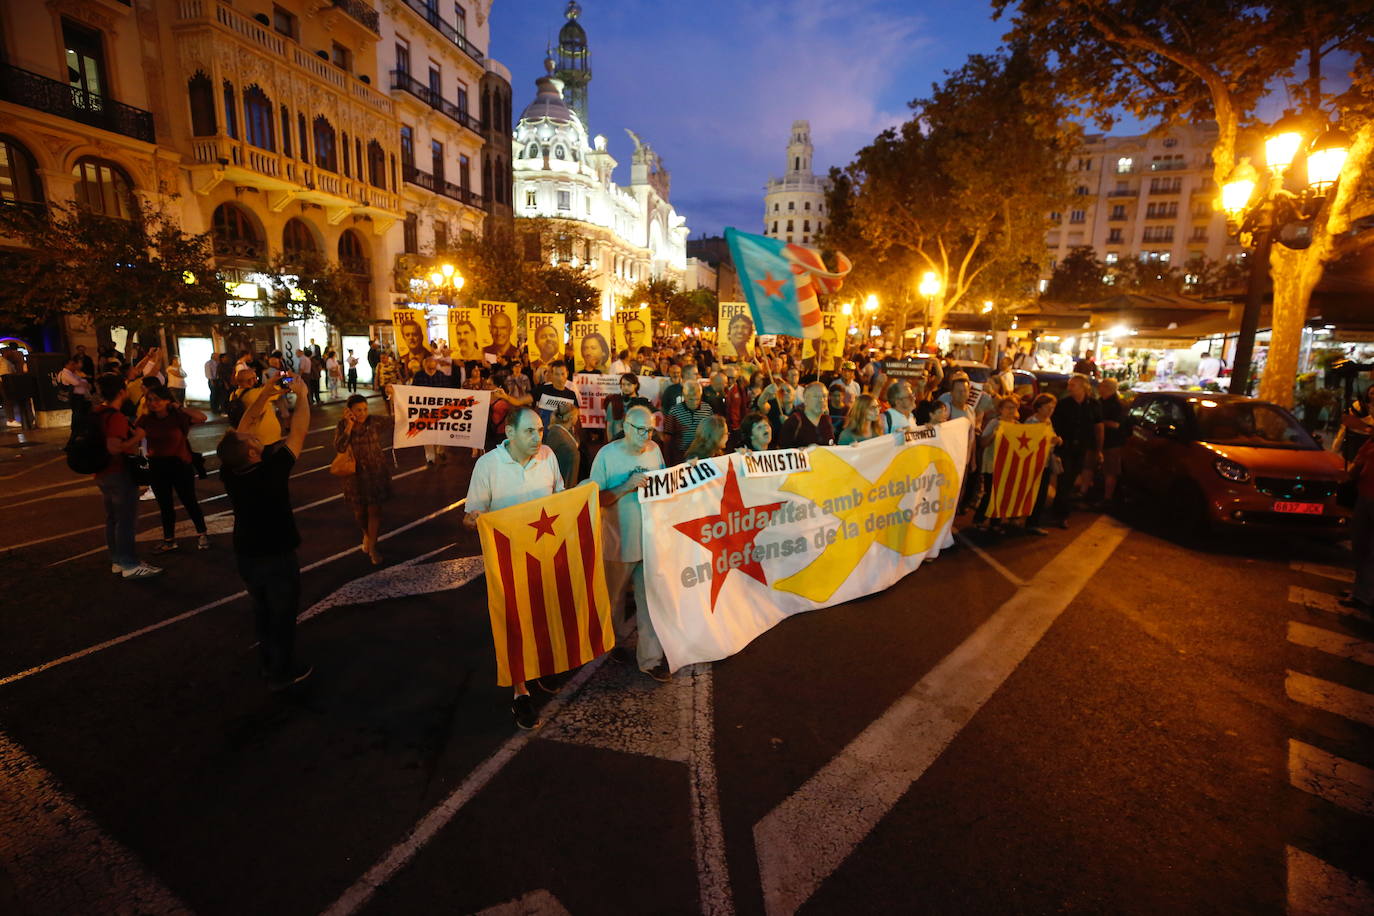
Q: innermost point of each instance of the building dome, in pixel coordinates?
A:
(548, 103)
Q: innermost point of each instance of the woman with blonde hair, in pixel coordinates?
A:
(863, 422)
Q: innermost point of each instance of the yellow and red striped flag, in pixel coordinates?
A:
(1019, 454)
(546, 585)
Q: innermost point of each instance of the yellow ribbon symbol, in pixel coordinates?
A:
(831, 475)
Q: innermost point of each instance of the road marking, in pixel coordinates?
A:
(42, 464)
(362, 890)
(535, 903)
(1321, 601)
(90, 490)
(801, 842)
(708, 835)
(58, 857)
(1331, 697)
(153, 627)
(1318, 889)
(1339, 573)
(992, 561)
(1338, 644)
(1339, 781)
(408, 578)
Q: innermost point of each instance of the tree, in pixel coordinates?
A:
(671, 303)
(1174, 63)
(307, 285)
(965, 187)
(133, 273)
(1078, 278)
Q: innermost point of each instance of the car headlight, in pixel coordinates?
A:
(1230, 470)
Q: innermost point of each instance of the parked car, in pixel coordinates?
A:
(1221, 460)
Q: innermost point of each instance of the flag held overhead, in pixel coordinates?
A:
(781, 281)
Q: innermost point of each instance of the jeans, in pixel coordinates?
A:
(170, 475)
(120, 496)
(619, 577)
(274, 585)
(352, 381)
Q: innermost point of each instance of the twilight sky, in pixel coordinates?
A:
(714, 85)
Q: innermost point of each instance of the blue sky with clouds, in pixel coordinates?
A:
(714, 85)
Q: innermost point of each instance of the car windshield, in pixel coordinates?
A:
(1250, 424)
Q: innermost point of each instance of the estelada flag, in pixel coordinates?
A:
(546, 585)
(781, 281)
(1019, 453)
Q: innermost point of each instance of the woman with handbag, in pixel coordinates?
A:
(364, 471)
(170, 468)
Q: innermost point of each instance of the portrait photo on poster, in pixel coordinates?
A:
(467, 333)
(735, 331)
(544, 337)
(591, 346)
(501, 324)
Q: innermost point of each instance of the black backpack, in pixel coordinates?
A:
(86, 451)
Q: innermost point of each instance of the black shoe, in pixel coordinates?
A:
(298, 674)
(660, 673)
(1353, 602)
(621, 655)
(1346, 593)
(549, 683)
(523, 710)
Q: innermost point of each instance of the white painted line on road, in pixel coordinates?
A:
(1318, 889)
(356, 897)
(58, 857)
(1321, 601)
(535, 903)
(992, 561)
(119, 640)
(1337, 644)
(801, 842)
(1339, 573)
(67, 494)
(409, 578)
(30, 470)
(708, 834)
(1339, 781)
(1331, 697)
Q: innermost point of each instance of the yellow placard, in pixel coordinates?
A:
(591, 342)
(544, 337)
(825, 353)
(735, 331)
(412, 338)
(467, 334)
(503, 325)
(634, 328)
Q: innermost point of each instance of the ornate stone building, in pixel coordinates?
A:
(794, 205)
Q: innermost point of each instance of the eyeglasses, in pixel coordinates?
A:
(637, 428)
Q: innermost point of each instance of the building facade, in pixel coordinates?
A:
(794, 205)
(1149, 197)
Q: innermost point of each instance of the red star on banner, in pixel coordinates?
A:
(1024, 440)
(733, 549)
(544, 524)
(771, 288)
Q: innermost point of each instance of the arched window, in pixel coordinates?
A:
(352, 254)
(297, 240)
(235, 235)
(326, 157)
(558, 152)
(257, 119)
(19, 181)
(285, 131)
(304, 135)
(486, 106)
(231, 118)
(103, 188)
(201, 93)
(376, 164)
(347, 168)
(488, 189)
(532, 151)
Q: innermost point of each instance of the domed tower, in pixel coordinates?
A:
(794, 205)
(574, 61)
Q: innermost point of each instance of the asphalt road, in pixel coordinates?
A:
(1103, 720)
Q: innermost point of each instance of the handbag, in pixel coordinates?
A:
(343, 464)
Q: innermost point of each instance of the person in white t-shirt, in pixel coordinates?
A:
(903, 402)
(352, 373)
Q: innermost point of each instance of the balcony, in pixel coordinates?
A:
(446, 188)
(31, 90)
(361, 12)
(404, 82)
(1122, 192)
(431, 15)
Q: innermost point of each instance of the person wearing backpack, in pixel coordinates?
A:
(117, 488)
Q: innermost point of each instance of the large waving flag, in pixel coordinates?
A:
(781, 281)
(1019, 454)
(546, 586)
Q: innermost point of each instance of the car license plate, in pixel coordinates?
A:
(1298, 508)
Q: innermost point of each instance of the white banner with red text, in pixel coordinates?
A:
(439, 416)
(735, 545)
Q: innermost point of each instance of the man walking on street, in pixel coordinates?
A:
(265, 536)
(1075, 422)
(117, 489)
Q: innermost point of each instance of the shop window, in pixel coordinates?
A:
(201, 94)
(19, 181)
(103, 188)
(258, 119)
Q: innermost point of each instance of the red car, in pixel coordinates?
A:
(1220, 460)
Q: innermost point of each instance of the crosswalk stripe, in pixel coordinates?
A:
(1338, 644)
(1339, 573)
(1334, 698)
(1316, 888)
(1323, 774)
(1321, 601)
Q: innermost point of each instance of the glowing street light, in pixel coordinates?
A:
(930, 288)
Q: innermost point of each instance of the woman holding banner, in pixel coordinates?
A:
(369, 486)
(863, 423)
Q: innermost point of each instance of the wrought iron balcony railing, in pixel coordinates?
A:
(431, 15)
(440, 186)
(361, 12)
(407, 83)
(32, 90)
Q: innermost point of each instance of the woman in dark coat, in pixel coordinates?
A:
(370, 486)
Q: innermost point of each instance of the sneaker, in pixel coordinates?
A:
(166, 547)
(116, 569)
(1037, 530)
(549, 683)
(523, 711)
(142, 571)
(298, 674)
(13, 424)
(660, 673)
(621, 655)
(203, 542)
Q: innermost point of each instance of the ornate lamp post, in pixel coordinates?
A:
(1253, 218)
(930, 288)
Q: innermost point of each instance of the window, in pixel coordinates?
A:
(1085, 165)
(1118, 212)
(1166, 185)
(258, 118)
(343, 145)
(530, 200)
(357, 154)
(565, 200)
(1124, 165)
(1199, 234)
(775, 226)
(286, 23)
(85, 64)
(19, 181)
(789, 226)
(1170, 142)
(1163, 210)
(1114, 237)
(1076, 216)
(806, 225)
(558, 152)
(1056, 216)
(1081, 190)
(234, 235)
(410, 234)
(488, 188)
(297, 239)
(1158, 234)
(789, 239)
(403, 56)
(775, 207)
(461, 99)
(531, 246)
(285, 131)
(326, 157)
(486, 106)
(1111, 257)
(791, 205)
(342, 57)
(407, 148)
(301, 132)
(460, 19)
(820, 226)
(440, 236)
(376, 165)
(201, 93)
(436, 161)
(532, 151)
(807, 205)
(352, 254)
(231, 120)
(806, 238)
(464, 173)
(436, 82)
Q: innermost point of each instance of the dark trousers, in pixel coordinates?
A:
(120, 499)
(313, 382)
(1068, 481)
(1042, 496)
(274, 585)
(172, 475)
(352, 381)
(81, 409)
(981, 515)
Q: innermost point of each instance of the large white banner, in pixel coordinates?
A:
(735, 545)
(593, 390)
(440, 416)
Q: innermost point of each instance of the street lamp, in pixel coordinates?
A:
(870, 308)
(1253, 219)
(445, 281)
(929, 288)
